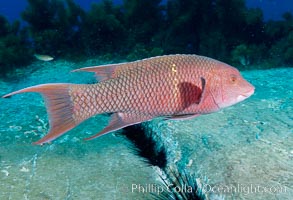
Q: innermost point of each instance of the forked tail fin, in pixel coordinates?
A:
(59, 108)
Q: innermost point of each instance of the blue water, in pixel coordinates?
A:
(273, 9)
(249, 143)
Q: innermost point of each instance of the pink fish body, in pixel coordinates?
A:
(173, 86)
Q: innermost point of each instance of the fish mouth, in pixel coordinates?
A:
(248, 93)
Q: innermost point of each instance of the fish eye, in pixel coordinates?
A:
(233, 78)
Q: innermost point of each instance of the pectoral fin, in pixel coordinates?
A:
(190, 95)
(121, 120)
(203, 89)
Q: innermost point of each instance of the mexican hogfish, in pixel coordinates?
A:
(173, 86)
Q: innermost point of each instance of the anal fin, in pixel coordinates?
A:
(119, 121)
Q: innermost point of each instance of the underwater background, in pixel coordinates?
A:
(248, 146)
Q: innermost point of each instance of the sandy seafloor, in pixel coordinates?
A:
(248, 146)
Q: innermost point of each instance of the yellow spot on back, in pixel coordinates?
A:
(175, 81)
(174, 68)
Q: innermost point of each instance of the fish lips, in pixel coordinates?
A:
(247, 94)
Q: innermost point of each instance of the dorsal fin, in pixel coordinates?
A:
(105, 72)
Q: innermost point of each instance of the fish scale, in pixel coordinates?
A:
(173, 86)
(142, 83)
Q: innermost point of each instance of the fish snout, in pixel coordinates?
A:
(248, 92)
